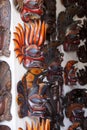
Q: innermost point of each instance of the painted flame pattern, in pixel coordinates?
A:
(30, 38)
(44, 125)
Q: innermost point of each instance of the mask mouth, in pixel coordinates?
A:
(29, 5)
(30, 15)
(36, 64)
(33, 64)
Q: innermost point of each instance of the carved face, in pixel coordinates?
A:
(29, 9)
(70, 73)
(5, 95)
(5, 17)
(28, 42)
(75, 112)
(3, 127)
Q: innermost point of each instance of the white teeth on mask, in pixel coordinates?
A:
(31, 15)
